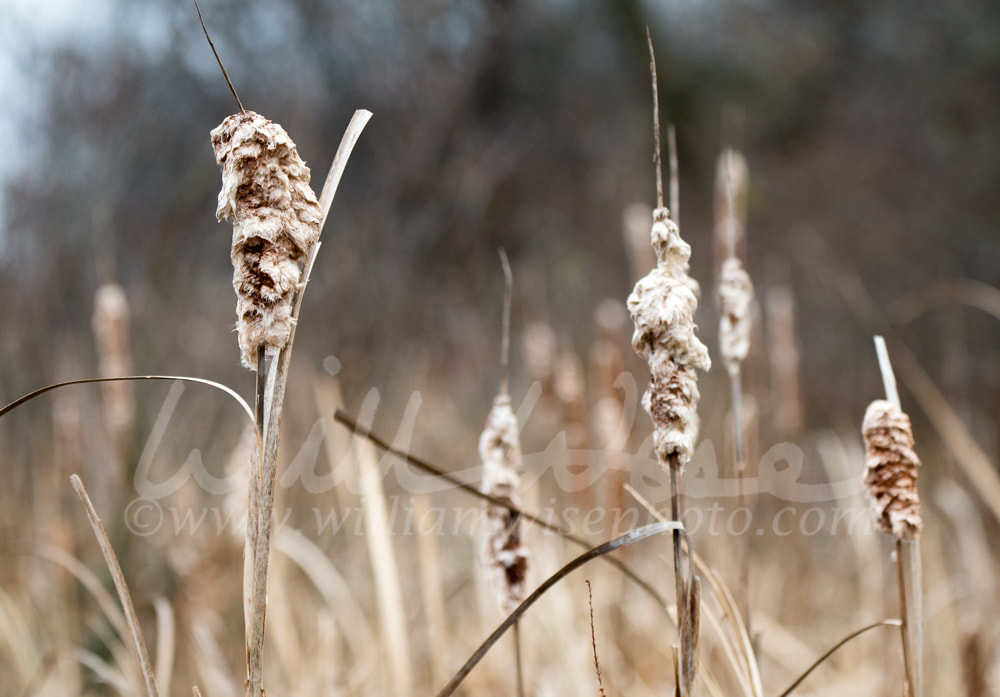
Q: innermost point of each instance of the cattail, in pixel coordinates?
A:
(891, 470)
(111, 327)
(735, 298)
(735, 289)
(891, 479)
(662, 306)
(276, 221)
(500, 450)
(506, 555)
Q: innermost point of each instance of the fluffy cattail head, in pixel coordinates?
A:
(735, 298)
(276, 221)
(662, 306)
(891, 470)
(506, 555)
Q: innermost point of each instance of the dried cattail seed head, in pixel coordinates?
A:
(276, 221)
(111, 330)
(891, 470)
(735, 298)
(506, 555)
(110, 322)
(662, 306)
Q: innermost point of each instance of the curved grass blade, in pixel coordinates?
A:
(628, 538)
(119, 580)
(846, 639)
(200, 381)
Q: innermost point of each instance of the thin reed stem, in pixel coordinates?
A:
(259, 391)
(681, 587)
(656, 123)
(628, 538)
(111, 559)
(508, 291)
(675, 184)
(739, 454)
(819, 661)
(217, 59)
(253, 498)
(518, 667)
(903, 628)
(593, 641)
(915, 616)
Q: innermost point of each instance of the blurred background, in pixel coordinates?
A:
(870, 133)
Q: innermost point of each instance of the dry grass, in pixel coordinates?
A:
(371, 586)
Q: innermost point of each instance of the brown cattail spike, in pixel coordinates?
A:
(891, 470)
(735, 288)
(506, 555)
(735, 298)
(662, 307)
(276, 221)
(111, 329)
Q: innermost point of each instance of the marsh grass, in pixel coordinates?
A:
(367, 613)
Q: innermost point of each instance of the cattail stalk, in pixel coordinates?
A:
(506, 557)
(891, 475)
(662, 306)
(277, 221)
(111, 331)
(735, 296)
